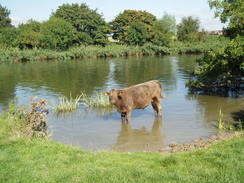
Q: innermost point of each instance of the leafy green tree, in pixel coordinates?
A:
(231, 11)
(163, 30)
(90, 27)
(57, 34)
(7, 31)
(220, 67)
(5, 21)
(225, 65)
(29, 34)
(188, 29)
(137, 34)
(8, 37)
(121, 25)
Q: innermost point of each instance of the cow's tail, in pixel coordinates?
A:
(162, 95)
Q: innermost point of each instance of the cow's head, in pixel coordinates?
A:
(114, 95)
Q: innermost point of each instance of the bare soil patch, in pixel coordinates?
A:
(200, 143)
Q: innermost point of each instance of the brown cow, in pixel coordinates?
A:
(137, 97)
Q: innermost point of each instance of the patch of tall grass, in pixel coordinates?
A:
(66, 104)
(11, 125)
(99, 101)
(23, 122)
(220, 120)
(221, 124)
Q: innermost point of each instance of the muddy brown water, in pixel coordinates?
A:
(185, 116)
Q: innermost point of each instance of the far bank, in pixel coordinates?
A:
(112, 50)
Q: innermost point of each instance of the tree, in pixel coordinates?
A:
(137, 34)
(221, 67)
(29, 34)
(163, 30)
(121, 25)
(224, 66)
(5, 21)
(57, 34)
(188, 29)
(231, 11)
(8, 37)
(7, 31)
(89, 25)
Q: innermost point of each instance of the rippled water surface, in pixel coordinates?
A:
(185, 116)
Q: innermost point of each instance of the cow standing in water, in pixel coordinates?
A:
(137, 97)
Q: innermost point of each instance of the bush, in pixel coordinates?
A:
(19, 122)
(222, 67)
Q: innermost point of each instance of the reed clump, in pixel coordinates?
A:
(66, 104)
(220, 120)
(228, 125)
(99, 101)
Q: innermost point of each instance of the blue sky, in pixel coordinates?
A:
(40, 10)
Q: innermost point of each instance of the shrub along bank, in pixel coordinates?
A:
(112, 50)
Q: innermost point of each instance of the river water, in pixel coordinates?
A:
(185, 116)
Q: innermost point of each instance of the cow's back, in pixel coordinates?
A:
(141, 95)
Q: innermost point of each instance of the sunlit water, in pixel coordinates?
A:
(185, 116)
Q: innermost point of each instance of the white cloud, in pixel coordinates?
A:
(16, 20)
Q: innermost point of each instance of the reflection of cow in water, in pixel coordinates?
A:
(137, 97)
(139, 139)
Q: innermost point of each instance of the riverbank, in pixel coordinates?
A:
(28, 157)
(112, 50)
(48, 161)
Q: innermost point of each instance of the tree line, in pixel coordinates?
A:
(76, 24)
(224, 67)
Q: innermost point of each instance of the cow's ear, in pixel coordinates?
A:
(105, 93)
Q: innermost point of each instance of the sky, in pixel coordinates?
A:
(40, 10)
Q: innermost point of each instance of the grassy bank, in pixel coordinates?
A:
(112, 50)
(35, 158)
(47, 161)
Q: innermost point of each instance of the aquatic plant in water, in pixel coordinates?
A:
(220, 120)
(99, 101)
(66, 104)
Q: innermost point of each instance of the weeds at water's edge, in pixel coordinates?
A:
(99, 101)
(220, 120)
(69, 104)
(20, 122)
(66, 104)
(228, 125)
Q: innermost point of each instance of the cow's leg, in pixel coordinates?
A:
(154, 108)
(128, 114)
(123, 117)
(157, 107)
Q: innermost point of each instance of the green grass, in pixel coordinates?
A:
(220, 120)
(47, 161)
(66, 104)
(99, 101)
